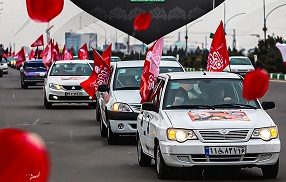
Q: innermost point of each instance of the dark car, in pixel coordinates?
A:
(32, 73)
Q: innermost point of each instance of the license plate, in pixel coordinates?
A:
(225, 150)
(73, 93)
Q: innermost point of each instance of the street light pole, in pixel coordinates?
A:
(104, 32)
(186, 37)
(231, 18)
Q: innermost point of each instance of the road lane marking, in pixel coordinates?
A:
(71, 134)
(37, 120)
(13, 96)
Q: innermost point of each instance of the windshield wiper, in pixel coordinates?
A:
(190, 107)
(234, 106)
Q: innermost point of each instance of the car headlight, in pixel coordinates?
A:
(180, 135)
(265, 133)
(55, 86)
(121, 107)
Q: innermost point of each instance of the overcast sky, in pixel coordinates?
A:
(16, 27)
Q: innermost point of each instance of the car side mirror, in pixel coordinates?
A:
(150, 106)
(103, 88)
(268, 105)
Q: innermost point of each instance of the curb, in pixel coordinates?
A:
(274, 76)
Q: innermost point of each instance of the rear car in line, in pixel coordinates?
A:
(4, 66)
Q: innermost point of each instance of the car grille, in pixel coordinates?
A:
(135, 107)
(72, 87)
(210, 135)
(224, 158)
(34, 78)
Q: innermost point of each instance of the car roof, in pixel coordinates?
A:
(74, 61)
(200, 74)
(140, 63)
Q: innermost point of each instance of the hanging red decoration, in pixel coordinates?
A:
(255, 84)
(142, 21)
(44, 10)
(24, 156)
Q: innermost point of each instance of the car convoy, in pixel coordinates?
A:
(184, 123)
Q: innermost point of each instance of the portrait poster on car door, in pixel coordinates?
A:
(218, 116)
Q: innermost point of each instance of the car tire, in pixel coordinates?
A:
(103, 129)
(143, 159)
(112, 138)
(47, 104)
(270, 171)
(162, 169)
(97, 113)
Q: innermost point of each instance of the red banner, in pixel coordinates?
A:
(38, 42)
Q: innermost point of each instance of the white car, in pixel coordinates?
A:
(62, 84)
(4, 66)
(240, 65)
(119, 102)
(200, 119)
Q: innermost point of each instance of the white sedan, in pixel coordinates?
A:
(200, 119)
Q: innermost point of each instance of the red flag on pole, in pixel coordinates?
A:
(56, 52)
(38, 42)
(100, 75)
(218, 57)
(21, 57)
(71, 52)
(47, 55)
(106, 55)
(150, 69)
(13, 54)
(83, 52)
(31, 55)
(66, 55)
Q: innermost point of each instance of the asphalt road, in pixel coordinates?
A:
(79, 154)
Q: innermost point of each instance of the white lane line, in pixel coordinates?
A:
(37, 120)
(13, 96)
(71, 134)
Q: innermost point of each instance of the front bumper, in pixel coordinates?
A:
(123, 122)
(192, 153)
(59, 96)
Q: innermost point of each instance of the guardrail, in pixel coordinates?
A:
(276, 76)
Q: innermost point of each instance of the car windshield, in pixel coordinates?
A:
(114, 59)
(129, 78)
(70, 69)
(3, 61)
(34, 66)
(240, 61)
(206, 94)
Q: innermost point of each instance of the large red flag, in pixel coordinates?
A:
(66, 55)
(83, 52)
(47, 54)
(38, 42)
(71, 52)
(106, 55)
(218, 57)
(21, 57)
(56, 52)
(100, 75)
(150, 69)
(31, 55)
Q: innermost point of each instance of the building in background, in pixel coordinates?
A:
(77, 40)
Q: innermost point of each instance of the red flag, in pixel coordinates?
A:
(56, 52)
(21, 57)
(13, 54)
(100, 75)
(71, 52)
(10, 51)
(66, 55)
(151, 69)
(106, 55)
(38, 42)
(218, 57)
(31, 55)
(47, 55)
(83, 52)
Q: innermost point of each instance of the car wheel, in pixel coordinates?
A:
(97, 113)
(103, 129)
(47, 104)
(143, 159)
(112, 138)
(270, 171)
(162, 169)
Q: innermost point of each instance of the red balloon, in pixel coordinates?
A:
(142, 21)
(23, 157)
(44, 10)
(255, 84)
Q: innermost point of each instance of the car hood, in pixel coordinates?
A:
(127, 96)
(67, 80)
(213, 119)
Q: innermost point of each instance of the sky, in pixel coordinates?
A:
(243, 16)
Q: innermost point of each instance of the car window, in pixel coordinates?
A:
(205, 92)
(34, 66)
(171, 69)
(3, 61)
(127, 78)
(70, 69)
(240, 61)
(114, 59)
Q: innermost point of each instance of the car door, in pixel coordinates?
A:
(152, 119)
